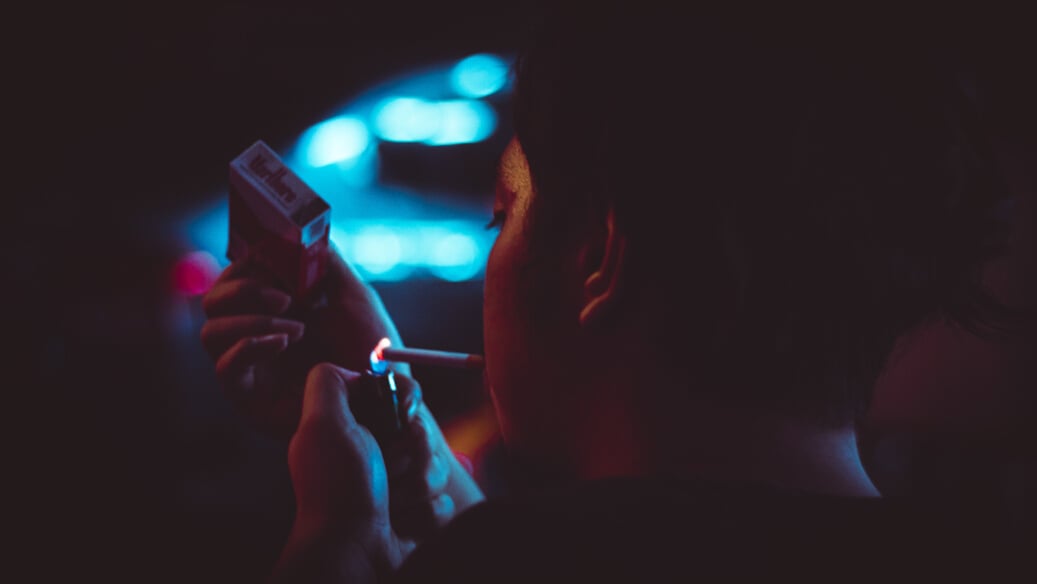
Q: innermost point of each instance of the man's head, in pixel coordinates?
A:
(767, 208)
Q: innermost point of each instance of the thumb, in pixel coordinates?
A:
(337, 470)
(326, 395)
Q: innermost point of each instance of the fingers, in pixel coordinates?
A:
(419, 504)
(326, 394)
(400, 453)
(409, 394)
(412, 466)
(219, 334)
(336, 467)
(426, 472)
(234, 367)
(428, 460)
(418, 473)
(243, 296)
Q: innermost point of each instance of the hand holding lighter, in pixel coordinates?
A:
(378, 403)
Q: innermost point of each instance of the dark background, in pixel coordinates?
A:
(125, 462)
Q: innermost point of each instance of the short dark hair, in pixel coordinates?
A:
(797, 197)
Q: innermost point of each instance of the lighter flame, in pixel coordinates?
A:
(378, 363)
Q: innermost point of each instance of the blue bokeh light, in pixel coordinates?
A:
(434, 123)
(336, 140)
(406, 119)
(398, 249)
(455, 258)
(454, 249)
(385, 233)
(479, 75)
(376, 249)
(389, 250)
(463, 121)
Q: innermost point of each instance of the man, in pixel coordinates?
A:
(711, 235)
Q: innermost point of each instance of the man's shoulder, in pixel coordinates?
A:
(637, 529)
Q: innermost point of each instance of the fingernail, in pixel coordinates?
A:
(293, 328)
(275, 298)
(275, 339)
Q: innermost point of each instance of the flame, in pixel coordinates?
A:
(378, 364)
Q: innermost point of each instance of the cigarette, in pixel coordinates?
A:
(430, 357)
(383, 352)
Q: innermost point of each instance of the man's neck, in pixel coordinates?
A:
(691, 437)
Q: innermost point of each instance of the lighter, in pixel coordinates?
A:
(376, 402)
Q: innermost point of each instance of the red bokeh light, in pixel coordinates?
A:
(195, 273)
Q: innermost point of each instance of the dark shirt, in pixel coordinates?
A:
(638, 530)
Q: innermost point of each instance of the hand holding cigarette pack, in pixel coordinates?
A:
(277, 220)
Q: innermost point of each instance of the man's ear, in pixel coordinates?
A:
(605, 264)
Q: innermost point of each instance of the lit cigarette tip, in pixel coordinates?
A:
(382, 344)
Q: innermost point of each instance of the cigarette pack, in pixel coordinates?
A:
(277, 220)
